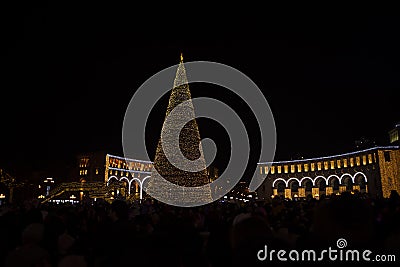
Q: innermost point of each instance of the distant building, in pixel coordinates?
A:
(371, 169)
(375, 171)
(132, 174)
(91, 167)
(394, 135)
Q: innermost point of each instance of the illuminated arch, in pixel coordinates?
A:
(309, 178)
(357, 173)
(343, 176)
(111, 177)
(332, 176)
(124, 178)
(278, 179)
(320, 176)
(140, 185)
(293, 178)
(129, 183)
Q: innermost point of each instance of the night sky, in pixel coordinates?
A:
(70, 74)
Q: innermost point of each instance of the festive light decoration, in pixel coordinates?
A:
(326, 179)
(93, 189)
(189, 145)
(389, 171)
(330, 157)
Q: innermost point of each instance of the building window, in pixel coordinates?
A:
(279, 169)
(386, 155)
(326, 165)
(351, 162)
(332, 164)
(286, 168)
(364, 159)
(84, 162)
(319, 165)
(298, 167)
(369, 158)
(313, 166)
(338, 163)
(272, 169)
(97, 171)
(306, 167)
(394, 135)
(358, 161)
(292, 168)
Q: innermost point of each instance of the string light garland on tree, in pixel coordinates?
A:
(189, 144)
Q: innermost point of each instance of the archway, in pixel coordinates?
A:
(360, 182)
(348, 183)
(280, 187)
(293, 184)
(320, 183)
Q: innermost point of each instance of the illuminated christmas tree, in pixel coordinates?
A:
(189, 144)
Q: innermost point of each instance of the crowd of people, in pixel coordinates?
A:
(218, 234)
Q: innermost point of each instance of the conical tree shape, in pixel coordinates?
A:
(190, 146)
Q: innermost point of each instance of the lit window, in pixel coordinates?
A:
(272, 169)
(312, 166)
(298, 167)
(279, 169)
(351, 162)
(266, 169)
(370, 158)
(326, 165)
(306, 167)
(292, 168)
(358, 161)
(338, 163)
(332, 164)
(286, 168)
(364, 159)
(97, 171)
(345, 163)
(319, 165)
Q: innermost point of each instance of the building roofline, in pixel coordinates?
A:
(128, 159)
(330, 157)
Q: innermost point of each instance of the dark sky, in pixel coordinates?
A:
(71, 71)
